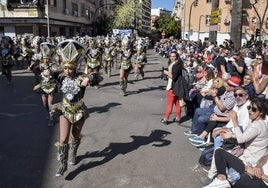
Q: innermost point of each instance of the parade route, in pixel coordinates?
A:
(124, 145)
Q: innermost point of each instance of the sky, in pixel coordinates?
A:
(167, 4)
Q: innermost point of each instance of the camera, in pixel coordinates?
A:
(163, 76)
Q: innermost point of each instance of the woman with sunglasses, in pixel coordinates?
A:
(255, 138)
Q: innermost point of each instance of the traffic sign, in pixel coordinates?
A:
(215, 20)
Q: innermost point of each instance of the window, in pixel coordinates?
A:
(75, 9)
(209, 1)
(207, 19)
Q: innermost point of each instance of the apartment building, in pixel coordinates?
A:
(46, 17)
(197, 19)
(156, 13)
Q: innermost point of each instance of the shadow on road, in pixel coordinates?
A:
(102, 109)
(115, 149)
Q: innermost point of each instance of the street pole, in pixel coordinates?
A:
(190, 15)
(48, 27)
(199, 25)
(184, 17)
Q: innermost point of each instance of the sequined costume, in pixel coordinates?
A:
(72, 106)
(93, 58)
(48, 84)
(126, 59)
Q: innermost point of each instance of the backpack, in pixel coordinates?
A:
(206, 156)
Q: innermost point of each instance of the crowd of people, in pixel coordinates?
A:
(227, 100)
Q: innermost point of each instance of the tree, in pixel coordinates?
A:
(125, 15)
(104, 25)
(167, 24)
(236, 25)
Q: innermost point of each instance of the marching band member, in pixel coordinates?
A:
(125, 65)
(48, 84)
(73, 110)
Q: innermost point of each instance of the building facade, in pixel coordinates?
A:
(46, 17)
(197, 21)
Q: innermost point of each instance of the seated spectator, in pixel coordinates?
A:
(255, 138)
(260, 83)
(224, 104)
(201, 88)
(202, 115)
(236, 65)
(256, 177)
(221, 134)
(248, 84)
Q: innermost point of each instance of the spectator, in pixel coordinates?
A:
(175, 66)
(255, 138)
(201, 115)
(224, 104)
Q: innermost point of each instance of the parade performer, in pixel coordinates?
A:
(93, 57)
(140, 60)
(109, 54)
(47, 85)
(6, 58)
(125, 65)
(72, 108)
(36, 58)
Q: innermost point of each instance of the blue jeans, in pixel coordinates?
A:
(201, 119)
(218, 141)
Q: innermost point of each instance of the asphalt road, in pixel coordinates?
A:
(124, 145)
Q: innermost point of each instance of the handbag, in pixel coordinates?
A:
(229, 144)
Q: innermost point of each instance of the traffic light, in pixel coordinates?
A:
(195, 3)
(258, 32)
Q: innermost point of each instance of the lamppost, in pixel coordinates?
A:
(199, 25)
(194, 3)
(48, 26)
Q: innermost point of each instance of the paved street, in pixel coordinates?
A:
(124, 144)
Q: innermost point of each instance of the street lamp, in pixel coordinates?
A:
(199, 25)
(194, 3)
(48, 27)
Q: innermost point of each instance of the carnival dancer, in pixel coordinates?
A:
(93, 58)
(125, 64)
(36, 58)
(48, 84)
(108, 56)
(140, 60)
(6, 58)
(72, 108)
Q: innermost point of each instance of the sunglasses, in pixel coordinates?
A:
(252, 108)
(259, 58)
(239, 95)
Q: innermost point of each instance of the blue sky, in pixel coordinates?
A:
(167, 4)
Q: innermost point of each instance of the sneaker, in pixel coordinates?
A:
(216, 183)
(205, 180)
(197, 139)
(201, 148)
(198, 144)
(189, 133)
(164, 121)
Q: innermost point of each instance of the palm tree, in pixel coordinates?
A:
(236, 25)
